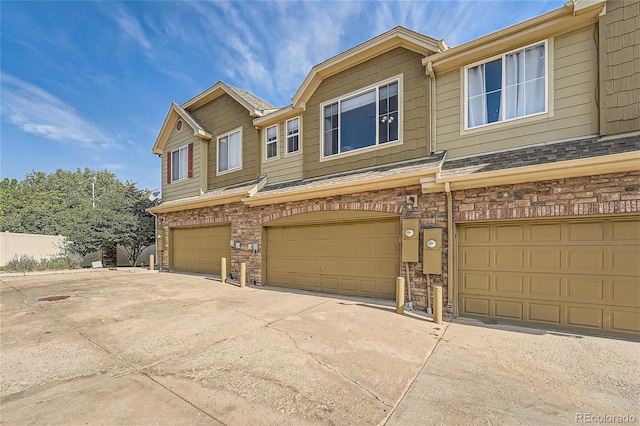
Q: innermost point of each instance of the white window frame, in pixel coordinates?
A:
(221, 172)
(267, 142)
(286, 136)
(503, 56)
(395, 79)
(184, 150)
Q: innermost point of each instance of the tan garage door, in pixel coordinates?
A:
(358, 258)
(200, 249)
(578, 274)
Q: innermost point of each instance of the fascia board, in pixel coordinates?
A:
(374, 184)
(174, 112)
(614, 163)
(199, 203)
(558, 21)
(277, 116)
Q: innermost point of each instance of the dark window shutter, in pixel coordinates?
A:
(169, 168)
(190, 170)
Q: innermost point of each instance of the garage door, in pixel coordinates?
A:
(577, 274)
(357, 258)
(200, 249)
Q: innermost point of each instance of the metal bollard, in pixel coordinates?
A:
(243, 274)
(400, 295)
(437, 305)
(151, 262)
(223, 269)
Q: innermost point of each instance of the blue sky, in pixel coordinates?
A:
(88, 83)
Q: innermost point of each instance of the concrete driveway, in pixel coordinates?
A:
(150, 348)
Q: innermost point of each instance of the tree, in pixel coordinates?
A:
(93, 209)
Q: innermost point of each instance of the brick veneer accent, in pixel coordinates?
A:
(590, 195)
(594, 195)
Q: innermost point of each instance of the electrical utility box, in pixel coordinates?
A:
(432, 251)
(410, 240)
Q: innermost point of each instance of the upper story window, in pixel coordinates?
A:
(271, 142)
(230, 151)
(365, 119)
(507, 87)
(293, 135)
(180, 164)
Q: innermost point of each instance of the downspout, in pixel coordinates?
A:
(432, 103)
(155, 237)
(450, 244)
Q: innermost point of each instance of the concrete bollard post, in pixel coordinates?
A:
(437, 305)
(223, 269)
(400, 295)
(151, 262)
(243, 274)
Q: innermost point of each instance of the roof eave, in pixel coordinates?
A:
(176, 111)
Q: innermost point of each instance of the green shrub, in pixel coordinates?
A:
(27, 263)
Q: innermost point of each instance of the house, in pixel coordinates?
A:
(506, 169)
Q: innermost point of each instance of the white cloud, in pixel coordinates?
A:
(36, 111)
(131, 26)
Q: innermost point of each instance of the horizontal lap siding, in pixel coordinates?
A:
(186, 187)
(287, 167)
(415, 119)
(572, 104)
(221, 116)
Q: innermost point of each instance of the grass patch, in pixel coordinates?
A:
(26, 263)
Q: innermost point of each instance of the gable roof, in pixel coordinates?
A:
(256, 106)
(397, 37)
(176, 111)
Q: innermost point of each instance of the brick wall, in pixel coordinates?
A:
(605, 194)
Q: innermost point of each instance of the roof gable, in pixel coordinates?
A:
(256, 106)
(397, 37)
(175, 112)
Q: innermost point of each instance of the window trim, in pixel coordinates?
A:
(266, 143)
(235, 169)
(547, 87)
(286, 137)
(186, 149)
(398, 79)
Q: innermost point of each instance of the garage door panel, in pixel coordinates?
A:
(199, 249)
(508, 309)
(625, 291)
(625, 231)
(625, 260)
(510, 259)
(577, 273)
(545, 259)
(359, 257)
(585, 231)
(543, 313)
(543, 286)
(625, 320)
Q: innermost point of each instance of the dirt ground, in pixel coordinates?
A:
(156, 348)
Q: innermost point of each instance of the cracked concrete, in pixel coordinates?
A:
(157, 348)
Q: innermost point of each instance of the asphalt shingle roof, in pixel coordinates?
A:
(252, 99)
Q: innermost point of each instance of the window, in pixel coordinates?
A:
(511, 86)
(293, 135)
(180, 164)
(271, 142)
(230, 151)
(366, 119)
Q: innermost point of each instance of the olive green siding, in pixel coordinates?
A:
(415, 135)
(221, 116)
(573, 111)
(288, 166)
(189, 187)
(621, 53)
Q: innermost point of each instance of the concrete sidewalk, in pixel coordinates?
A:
(500, 374)
(127, 348)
